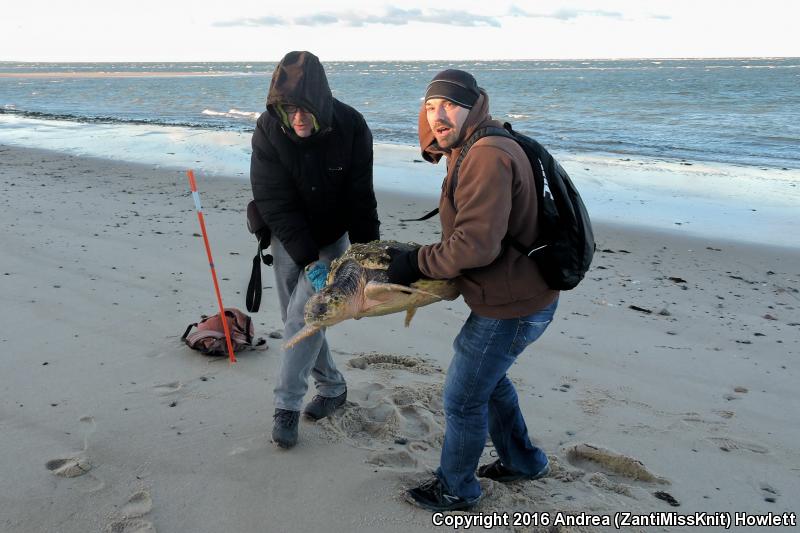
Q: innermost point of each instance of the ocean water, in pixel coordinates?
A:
(702, 147)
(733, 111)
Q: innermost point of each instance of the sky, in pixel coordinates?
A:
(259, 30)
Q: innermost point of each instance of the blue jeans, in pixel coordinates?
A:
(479, 399)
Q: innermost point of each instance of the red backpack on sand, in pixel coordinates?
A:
(210, 335)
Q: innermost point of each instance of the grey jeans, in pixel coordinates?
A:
(311, 355)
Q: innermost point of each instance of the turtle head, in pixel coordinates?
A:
(324, 308)
(318, 308)
(338, 299)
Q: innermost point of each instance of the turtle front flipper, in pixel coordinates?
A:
(304, 333)
(382, 291)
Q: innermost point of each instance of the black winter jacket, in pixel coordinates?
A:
(310, 191)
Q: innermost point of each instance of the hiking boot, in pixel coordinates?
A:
(320, 406)
(497, 472)
(433, 496)
(284, 427)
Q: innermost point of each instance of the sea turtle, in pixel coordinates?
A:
(357, 287)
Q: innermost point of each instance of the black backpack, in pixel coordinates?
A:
(565, 246)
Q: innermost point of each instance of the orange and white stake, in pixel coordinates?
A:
(196, 197)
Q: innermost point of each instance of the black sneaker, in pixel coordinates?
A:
(497, 472)
(321, 406)
(284, 427)
(431, 496)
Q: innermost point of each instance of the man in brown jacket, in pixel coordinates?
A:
(510, 303)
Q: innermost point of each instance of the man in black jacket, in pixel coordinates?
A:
(311, 172)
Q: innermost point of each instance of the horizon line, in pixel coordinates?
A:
(693, 58)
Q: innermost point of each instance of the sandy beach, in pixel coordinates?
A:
(671, 370)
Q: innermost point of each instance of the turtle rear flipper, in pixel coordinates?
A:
(409, 315)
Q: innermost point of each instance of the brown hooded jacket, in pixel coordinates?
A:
(494, 196)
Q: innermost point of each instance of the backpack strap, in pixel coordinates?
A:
(258, 342)
(478, 134)
(524, 250)
(505, 131)
(247, 330)
(475, 137)
(253, 295)
(188, 329)
(426, 216)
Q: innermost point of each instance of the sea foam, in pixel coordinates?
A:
(232, 113)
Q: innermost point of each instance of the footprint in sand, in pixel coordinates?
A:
(696, 418)
(392, 459)
(393, 362)
(168, 388)
(770, 493)
(365, 393)
(138, 505)
(601, 481)
(384, 414)
(70, 467)
(359, 423)
(131, 526)
(417, 422)
(78, 464)
(561, 472)
(91, 427)
(727, 444)
(582, 454)
(429, 395)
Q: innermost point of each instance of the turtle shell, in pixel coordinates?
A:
(357, 286)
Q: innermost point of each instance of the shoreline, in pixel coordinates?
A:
(417, 202)
(702, 199)
(37, 119)
(103, 270)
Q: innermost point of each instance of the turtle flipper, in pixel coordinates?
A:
(409, 315)
(380, 291)
(304, 333)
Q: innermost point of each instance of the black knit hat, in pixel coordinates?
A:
(455, 85)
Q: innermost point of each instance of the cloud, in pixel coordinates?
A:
(461, 18)
(319, 19)
(392, 16)
(565, 13)
(573, 13)
(262, 21)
